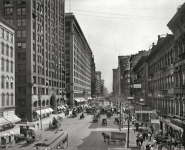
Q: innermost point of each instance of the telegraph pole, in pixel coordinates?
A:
(39, 97)
(128, 127)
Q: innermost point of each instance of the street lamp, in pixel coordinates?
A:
(128, 111)
(39, 97)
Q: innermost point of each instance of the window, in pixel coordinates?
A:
(21, 56)
(21, 44)
(21, 33)
(7, 65)
(7, 50)
(22, 102)
(2, 48)
(2, 64)
(2, 82)
(21, 79)
(21, 2)
(8, 11)
(21, 11)
(21, 22)
(2, 33)
(21, 67)
(7, 83)
(8, 1)
(22, 90)
(11, 84)
(11, 38)
(11, 67)
(9, 20)
(3, 99)
(12, 99)
(7, 36)
(11, 52)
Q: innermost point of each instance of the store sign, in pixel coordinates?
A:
(137, 86)
(143, 112)
(130, 97)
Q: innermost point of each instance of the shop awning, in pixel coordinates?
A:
(51, 110)
(78, 100)
(63, 107)
(59, 107)
(83, 99)
(3, 121)
(12, 118)
(47, 111)
(174, 126)
(155, 121)
(42, 112)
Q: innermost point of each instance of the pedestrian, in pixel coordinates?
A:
(149, 136)
(152, 147)
(137, 142)
(141, 140)
(134, 129)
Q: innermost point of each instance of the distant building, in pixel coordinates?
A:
(124, 77)
(133, 61)
(93, 78)
(7, 74)
(102, 87)
(78, 62)
(115, 85)
(98, 83)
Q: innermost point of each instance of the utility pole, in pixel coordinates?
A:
(39, 97)
(120, 115)
(128, 111)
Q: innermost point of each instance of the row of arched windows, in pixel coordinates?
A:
(6, 82)
(6, 64)
(7, 99)
(8, 49)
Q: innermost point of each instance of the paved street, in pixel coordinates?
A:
(85, 135)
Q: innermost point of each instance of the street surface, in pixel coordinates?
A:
(85, 135)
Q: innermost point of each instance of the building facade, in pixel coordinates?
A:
(40, 55)
(133, 61)
(98, 83)
(124, 76)
(78, 62)
(141, 90)
(7, 74)
(115, 85)
(93, 70)
(102, 87)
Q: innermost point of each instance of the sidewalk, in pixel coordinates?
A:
(132, 136)
(45, 123)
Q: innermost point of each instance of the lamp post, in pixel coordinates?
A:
(39, 97)
(128, 111)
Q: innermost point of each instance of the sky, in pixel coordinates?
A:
(121, 27)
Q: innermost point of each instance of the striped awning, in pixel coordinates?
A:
(12, 118)
(3, 121)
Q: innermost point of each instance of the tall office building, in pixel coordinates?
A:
(115, 86)
(78, 62)
(39, 54)
(98, 83)
(7, 74)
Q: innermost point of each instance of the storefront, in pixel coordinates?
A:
(174, 131)
(8, 119)
(44, 112)
(80, 101)
(142, 112)
(7, 138)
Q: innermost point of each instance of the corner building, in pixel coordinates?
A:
(78, 62)
(39, 55)
(7, 74)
